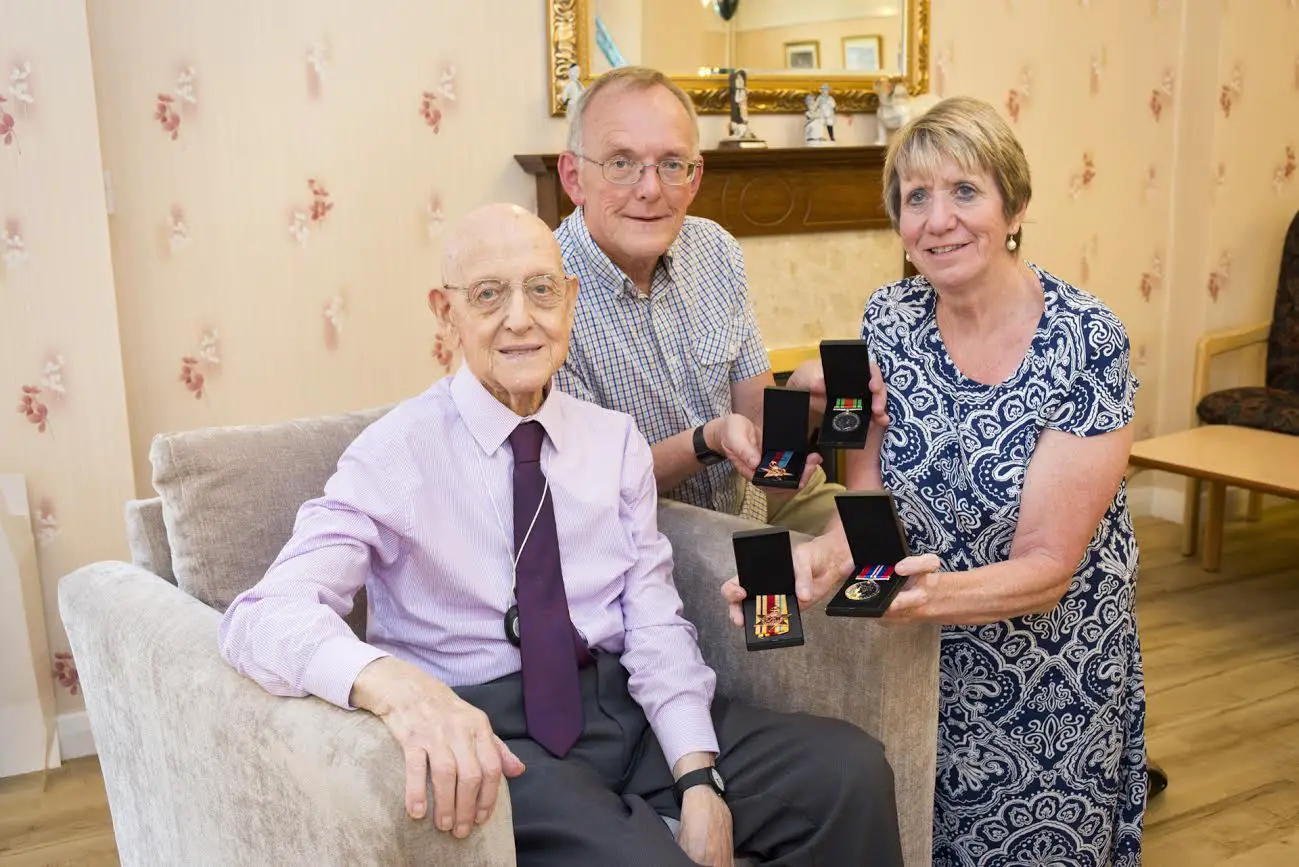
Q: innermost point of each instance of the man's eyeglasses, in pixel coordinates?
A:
(544, 291)
(627, 172)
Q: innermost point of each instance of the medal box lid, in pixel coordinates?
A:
(871, 524)
(846, 365)
(785, 418)
(764, 561)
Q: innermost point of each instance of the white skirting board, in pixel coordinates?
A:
(27, 702)
(75, 737)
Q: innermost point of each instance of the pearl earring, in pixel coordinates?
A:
(906, 256)
(1011, 244)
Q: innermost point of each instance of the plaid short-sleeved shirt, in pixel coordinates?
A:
(667, 359)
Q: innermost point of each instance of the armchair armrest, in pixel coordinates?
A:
(203, 767)
(881, 676)
(1217, 343)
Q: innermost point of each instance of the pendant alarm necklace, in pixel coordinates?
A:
(512, 613)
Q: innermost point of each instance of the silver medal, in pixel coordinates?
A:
(846, 422)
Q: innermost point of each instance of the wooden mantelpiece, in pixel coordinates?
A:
(771, 191)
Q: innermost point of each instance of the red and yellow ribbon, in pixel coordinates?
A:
(772, 616)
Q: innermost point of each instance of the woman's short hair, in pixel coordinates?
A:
(970, 133)
(632, 78)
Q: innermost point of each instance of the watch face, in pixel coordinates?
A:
(717, 781)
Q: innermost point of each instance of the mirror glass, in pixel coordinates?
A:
(766, 37)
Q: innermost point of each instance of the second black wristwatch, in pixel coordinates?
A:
(709, 777)
(703, 453)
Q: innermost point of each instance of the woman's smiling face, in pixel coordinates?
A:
(953, 223)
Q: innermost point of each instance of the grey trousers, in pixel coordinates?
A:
(802, 790)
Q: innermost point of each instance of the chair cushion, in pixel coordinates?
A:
(230, 495)
(1262, 408)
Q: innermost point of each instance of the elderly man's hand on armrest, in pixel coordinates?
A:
(438, 730)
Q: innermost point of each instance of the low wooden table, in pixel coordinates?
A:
(1222, 455)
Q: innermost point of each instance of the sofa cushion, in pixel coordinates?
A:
(1262, 408)
(146, 535)
(230, 495)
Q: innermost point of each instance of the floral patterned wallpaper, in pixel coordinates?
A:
(1161, 136)
(64, 427)
(278, 175)
(1089, 89)
(278, 212)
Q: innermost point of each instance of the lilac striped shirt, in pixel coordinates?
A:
(420, 512)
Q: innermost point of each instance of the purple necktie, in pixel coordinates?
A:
(552, 700)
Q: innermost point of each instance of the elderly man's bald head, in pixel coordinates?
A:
(488, 233)
(507, 301)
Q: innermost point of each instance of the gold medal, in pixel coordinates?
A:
(862, 591)
(868, 583)
(772, 616)
(776, 468)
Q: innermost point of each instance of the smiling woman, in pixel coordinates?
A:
(964, 141)
(1009, 393)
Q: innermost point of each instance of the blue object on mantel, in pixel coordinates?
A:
(604, 39)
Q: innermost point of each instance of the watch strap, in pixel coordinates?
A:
(703, 453)
(708, 776)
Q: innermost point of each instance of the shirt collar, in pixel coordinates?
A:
(491, 422)
(609, 274)
(670, 258)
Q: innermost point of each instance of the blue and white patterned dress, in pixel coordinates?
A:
(1041, 748)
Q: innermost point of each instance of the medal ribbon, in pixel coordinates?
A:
(772, 616)
(875, 573)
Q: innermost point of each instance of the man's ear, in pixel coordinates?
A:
(570, 165)
(699, 178)
(440, 304)
(570, 302)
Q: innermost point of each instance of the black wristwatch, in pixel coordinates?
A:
(709, 777)
(703, 453)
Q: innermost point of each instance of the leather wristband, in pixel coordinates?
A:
(703, 453)
(708, 776)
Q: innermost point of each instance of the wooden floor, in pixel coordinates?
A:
(1222, 675)
(56, 818)
(1222, 689)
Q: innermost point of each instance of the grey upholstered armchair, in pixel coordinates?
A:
(203, 767)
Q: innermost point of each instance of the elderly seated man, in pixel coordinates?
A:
(524, 625)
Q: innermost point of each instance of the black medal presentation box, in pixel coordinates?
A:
(847, 368)
(870, 521)
(784, 437)
(764, 563)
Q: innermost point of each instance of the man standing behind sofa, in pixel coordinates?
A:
(579, 681)
(664, 329)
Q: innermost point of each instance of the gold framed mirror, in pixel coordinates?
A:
(788, 47)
